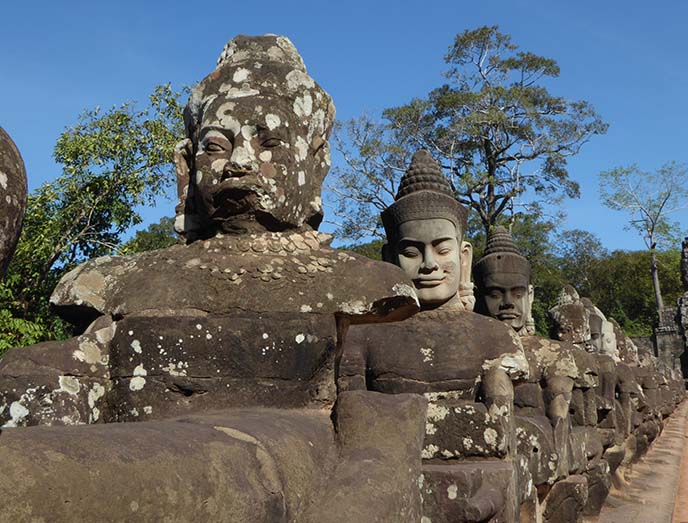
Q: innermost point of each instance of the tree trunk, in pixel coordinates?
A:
(655, 279)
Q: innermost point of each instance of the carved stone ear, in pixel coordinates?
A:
(186, 219)
(530, 321)
(466, 262)
(466, 287)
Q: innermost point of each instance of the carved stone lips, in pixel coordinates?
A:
(428, 282)
(507, 315)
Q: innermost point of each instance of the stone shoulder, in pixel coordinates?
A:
(266, 273)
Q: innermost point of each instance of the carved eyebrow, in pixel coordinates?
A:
(442, 240)
(213, 128)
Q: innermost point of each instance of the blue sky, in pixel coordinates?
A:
(628, 58)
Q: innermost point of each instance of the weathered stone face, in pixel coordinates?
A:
(570, 323)
(429, 252)
(502, 277)
(257, 152)
(508, 297)
(12, 198)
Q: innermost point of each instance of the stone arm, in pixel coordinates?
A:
(58, 382)
(351, 370)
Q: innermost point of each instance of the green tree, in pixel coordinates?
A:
(495, 128)
(113, 162)
(578, 254)
(622, 287)
(650, 198)
(156, 236)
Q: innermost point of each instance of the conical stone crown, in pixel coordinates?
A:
(424, 174)
(500, 241)
(424, 193)
(501, 256)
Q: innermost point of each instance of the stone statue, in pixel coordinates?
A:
(258, 150)
(503, 280)
(460, 361)
(569, 319)
(542, 401)
(12, 198)
(425, 227)
(245, 321)
(602, 335)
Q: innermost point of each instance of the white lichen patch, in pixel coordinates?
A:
(272, 121)
(301, 149)
(138, 381)
(96, 392)
(452, 491)
(427, 353)
(297, 78)
(176, 369)
(429, 451)
(436, 412)
(430, 428)
(306, 308)
(299, 338)
(265, 156)
(89, 352)
(240, 75)
(303, 105)
(490, 436)
(136, 345)
(69, 384)
(148, 409)
(17, 413)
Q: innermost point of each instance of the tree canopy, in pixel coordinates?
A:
(650, 198)
(113, 162)
(494, 126)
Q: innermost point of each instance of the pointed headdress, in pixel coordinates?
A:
(501, 256)
(424, 193)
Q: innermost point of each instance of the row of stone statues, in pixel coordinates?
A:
(256, 374)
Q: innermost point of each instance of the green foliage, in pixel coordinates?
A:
(622, 287)
(650, 198)
(372, 249)
(157, 236)
(494, 127)
(113, 162)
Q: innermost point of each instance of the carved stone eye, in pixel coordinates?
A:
(270, 142)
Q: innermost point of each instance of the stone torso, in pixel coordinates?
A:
(434, 351)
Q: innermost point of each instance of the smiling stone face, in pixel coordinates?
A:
(429, 252)
(425, 227)
(257, 152)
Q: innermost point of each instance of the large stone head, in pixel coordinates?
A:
(569, 319)
(257, 150)
(502, 278)
(13, 198)
(425, 228)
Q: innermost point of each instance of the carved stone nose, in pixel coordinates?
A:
(235, 170)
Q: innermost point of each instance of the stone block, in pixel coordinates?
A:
(469, 492)
(565, 500)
